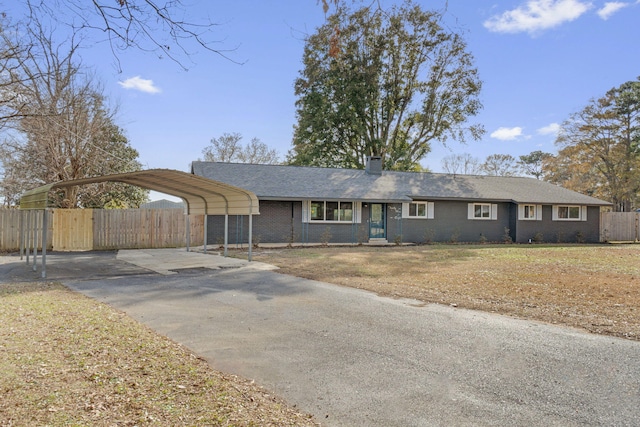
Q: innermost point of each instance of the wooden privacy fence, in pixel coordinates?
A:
(10, 220)
(620, 226)
(145, 228)
(102, 229)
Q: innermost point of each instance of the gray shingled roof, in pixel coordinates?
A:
(275, 182)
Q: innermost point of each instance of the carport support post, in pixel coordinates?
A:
(205, 234)
(21, 227)
(27, 231)
(226, 234)
(35, 238)
(188, 232)
(250, 235)
(45, 224)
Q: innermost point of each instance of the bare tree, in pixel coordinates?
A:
(14, 51)
(258, 152)
(161, 27)
(464, 164)
(228, 149)
(63, 128)
(223, 149)
(500, 165)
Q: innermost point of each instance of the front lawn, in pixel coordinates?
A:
(593, 287)
(67, 360)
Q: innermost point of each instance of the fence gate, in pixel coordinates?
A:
(72, 229)
(620, 226)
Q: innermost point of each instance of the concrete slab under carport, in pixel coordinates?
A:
(172, 261)
(93, 265)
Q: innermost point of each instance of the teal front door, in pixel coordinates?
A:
(377, 228)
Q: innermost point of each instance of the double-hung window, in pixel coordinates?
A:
(420, 210)
(530, 212)
(486, 211)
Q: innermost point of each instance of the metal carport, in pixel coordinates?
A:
(201, 195)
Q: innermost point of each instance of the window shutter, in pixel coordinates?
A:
(494, 211)
(405, 210)
(357, 212)
(306, 210)
(583, 213)
(470, 211)
(554, 212)
(521, 212)
(430, 210)
(538, 212)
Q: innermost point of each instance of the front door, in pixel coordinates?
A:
(377, 228)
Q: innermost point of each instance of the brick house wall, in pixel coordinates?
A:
(281, 222)
(560, 231)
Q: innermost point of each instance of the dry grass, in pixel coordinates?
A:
(594, 287)
(68, 360)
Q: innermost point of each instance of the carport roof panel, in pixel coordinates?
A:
(202, 195)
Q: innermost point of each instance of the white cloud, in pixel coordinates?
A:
(551, 129)
(537, 15)
(610, 8)
(138, 83)
(507, 134)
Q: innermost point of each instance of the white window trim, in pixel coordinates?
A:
(429, 210)
(356, 217)
(493, 211)
(582, 214)
(521, 209)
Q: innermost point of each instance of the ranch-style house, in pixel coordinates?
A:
(330, 205)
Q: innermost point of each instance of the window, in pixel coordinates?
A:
(482, 211)
(317, 211)
(330, 211)
(569, 213)
(417, 209)
(422, 210)
(530, 212)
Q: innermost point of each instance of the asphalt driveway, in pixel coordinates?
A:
(352, 358)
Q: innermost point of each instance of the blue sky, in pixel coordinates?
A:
(540, 61)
